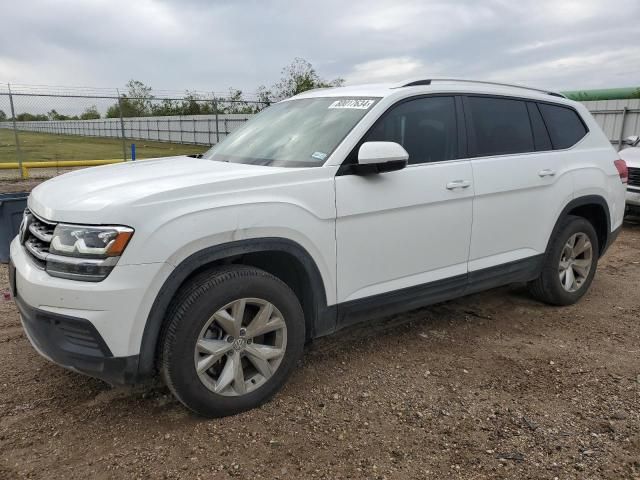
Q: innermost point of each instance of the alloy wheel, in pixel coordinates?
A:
(576, 261)
(240, 347)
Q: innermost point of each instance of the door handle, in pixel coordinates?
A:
(458, 184)
(547, 172)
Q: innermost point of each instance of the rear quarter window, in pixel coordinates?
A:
(564, 125)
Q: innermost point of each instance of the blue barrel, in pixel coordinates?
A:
(11, 207)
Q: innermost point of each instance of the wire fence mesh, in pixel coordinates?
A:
(45, 123)
(39, 123)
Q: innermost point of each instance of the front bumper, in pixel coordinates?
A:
(74, 343)
(93, 328)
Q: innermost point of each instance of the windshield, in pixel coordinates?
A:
(295, 133)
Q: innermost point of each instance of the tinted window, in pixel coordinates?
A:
(425, 127)
(564, 125)
(541, 138)
(499, 126)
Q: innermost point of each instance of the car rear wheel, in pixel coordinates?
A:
(233, 337)
(569, 264)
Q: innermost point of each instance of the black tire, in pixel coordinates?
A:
(547, 287)
(197, 301)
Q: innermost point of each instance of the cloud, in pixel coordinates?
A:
(212, 45)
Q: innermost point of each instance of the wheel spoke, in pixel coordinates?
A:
(262, 365)
(264, 322)
(226, 322)
(260, 355)
(226, 376)
(205, 363)
(237, 311)
(264, 351)
(581, 267)
(213, 347)
(582, 245)
(569, 279)
(215, 350)
(238, 375)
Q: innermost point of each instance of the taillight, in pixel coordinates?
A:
(623, 171)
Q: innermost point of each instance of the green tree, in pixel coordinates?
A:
(29, 117)
(194, 104)
(53, 115)
(137, 102)
(235, 103)
(91, 113)
(3, 116)
(165, 108)
(300, 76)
(264, 95)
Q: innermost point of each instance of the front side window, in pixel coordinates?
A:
(425, 127)
(294, 133)
(499, 126)
(564, 125)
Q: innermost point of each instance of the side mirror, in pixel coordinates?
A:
(632, 141)
(380, 157)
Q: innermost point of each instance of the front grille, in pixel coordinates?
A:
(634, 177)
(36, 235)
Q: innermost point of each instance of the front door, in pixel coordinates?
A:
(411, 227)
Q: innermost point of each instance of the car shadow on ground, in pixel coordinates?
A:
(436, 323)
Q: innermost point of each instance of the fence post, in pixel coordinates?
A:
(15, 133)
(215, 110)
(624, 116)
(124, 143)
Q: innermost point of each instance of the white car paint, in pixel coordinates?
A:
(367, 235)
(632, 157)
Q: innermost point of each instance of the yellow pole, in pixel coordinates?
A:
(57, 164)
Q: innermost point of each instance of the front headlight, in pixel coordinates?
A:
(86, 253)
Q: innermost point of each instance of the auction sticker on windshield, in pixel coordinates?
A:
(358, 104)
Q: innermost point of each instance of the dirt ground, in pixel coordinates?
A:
(493, 385)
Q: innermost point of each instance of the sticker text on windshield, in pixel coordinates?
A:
(358, 104)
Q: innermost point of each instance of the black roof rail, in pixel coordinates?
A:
(430, 81)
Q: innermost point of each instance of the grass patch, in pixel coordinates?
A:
(37, 147)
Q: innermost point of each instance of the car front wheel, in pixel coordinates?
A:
(233, 337)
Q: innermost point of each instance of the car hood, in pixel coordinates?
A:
(89, 194)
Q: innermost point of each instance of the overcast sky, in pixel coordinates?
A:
(212, 45)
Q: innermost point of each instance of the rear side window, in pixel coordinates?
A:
(499, 126)
(425, 127)
(564, 125)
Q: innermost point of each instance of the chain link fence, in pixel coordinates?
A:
(42, 123)
(52, 124)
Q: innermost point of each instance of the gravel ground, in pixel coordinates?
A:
(490, 385)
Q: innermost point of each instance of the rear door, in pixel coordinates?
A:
(410, 227)
(520, 182)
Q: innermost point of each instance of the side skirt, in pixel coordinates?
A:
(410, 298)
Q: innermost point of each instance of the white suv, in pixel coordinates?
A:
(323, 210)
